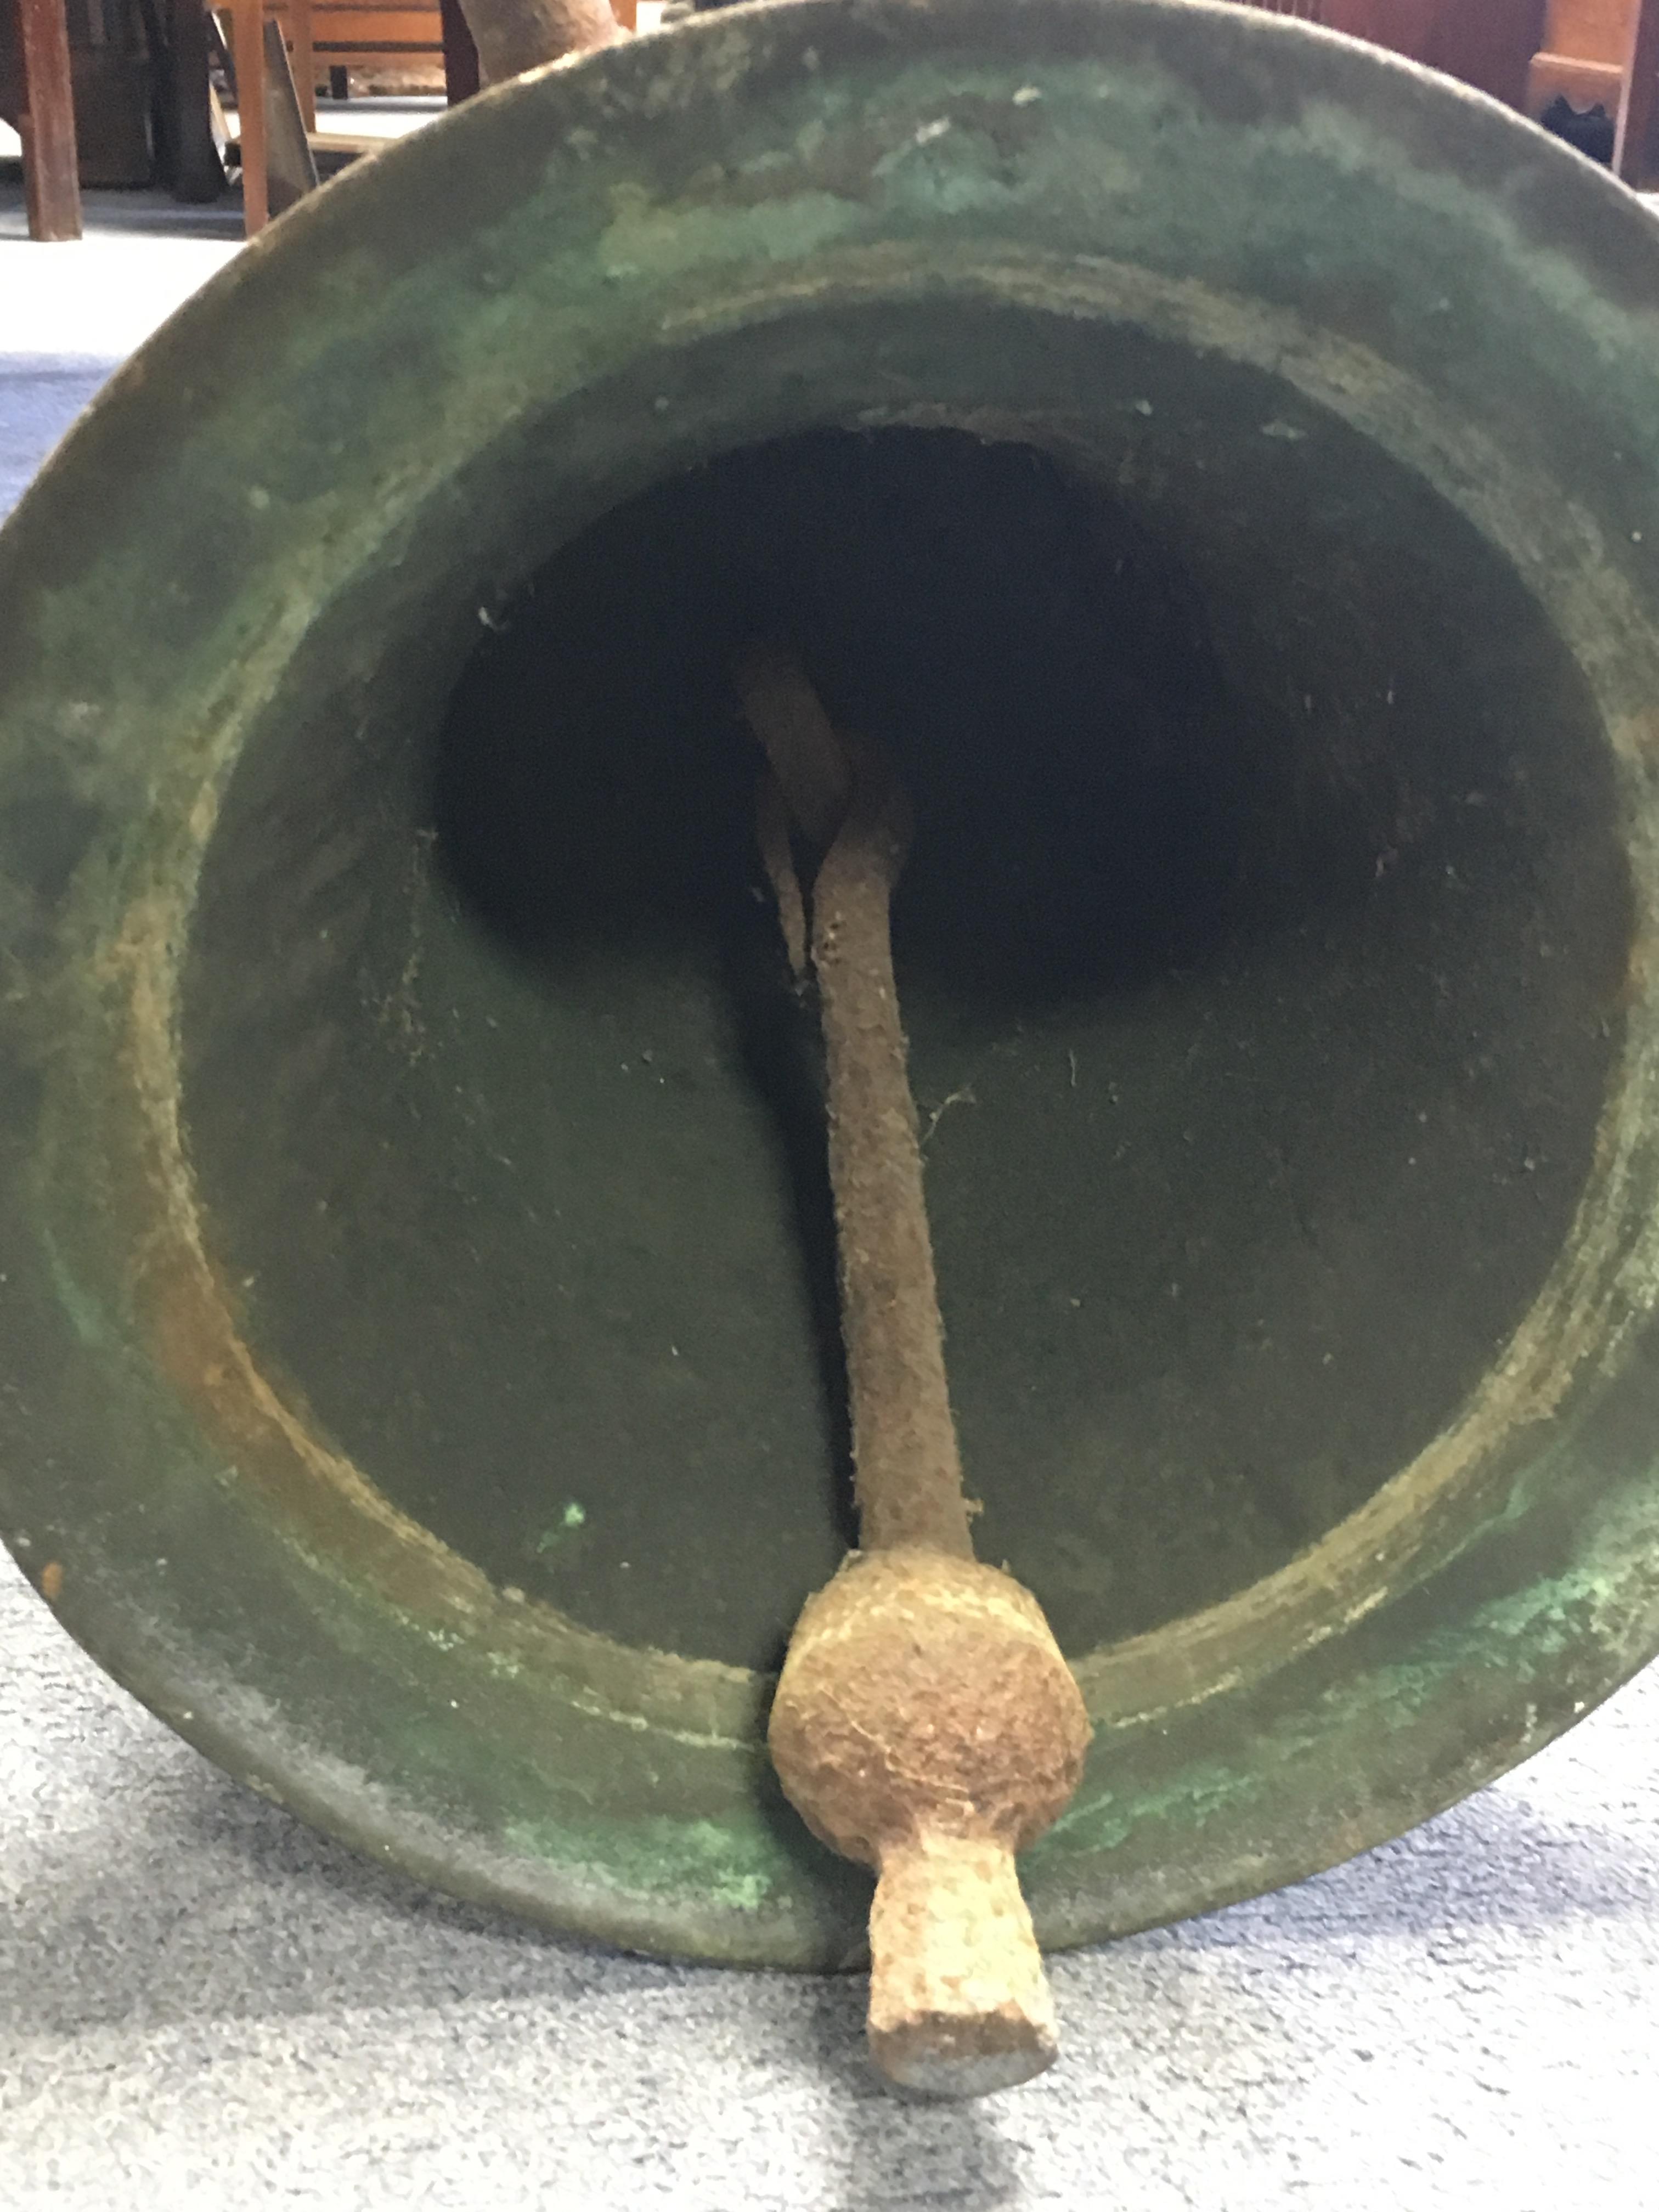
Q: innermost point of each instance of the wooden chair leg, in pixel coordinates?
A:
(248, 20)
(1639, 95)
(52, 181)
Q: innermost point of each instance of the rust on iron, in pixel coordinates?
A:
(926, 1722)
(513, 36)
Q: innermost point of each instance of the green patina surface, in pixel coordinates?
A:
(295, 504)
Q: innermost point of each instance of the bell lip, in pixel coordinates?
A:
(1476, 1652)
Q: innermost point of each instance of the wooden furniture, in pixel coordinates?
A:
(1487, 44)
(329, 34)
(1581, 55)
(335, 35)
(1526, 53)
(46, 120)
(347, 35)
(140, 112)
(1605, 53)
(1638, 95)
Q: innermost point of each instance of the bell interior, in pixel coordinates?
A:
(1260, 948)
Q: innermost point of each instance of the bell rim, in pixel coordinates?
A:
(771, 1898)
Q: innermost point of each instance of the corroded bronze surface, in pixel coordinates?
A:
(1358, 379)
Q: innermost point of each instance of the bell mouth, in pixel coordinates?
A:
(1351, 374)
(1260, 949)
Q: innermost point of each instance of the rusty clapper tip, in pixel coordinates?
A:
(926, 1724)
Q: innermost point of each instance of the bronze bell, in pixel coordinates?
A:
(1218, 464)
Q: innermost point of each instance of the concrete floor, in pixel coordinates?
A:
(204, 2008)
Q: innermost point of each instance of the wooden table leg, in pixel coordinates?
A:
(247, 18)
(1639, 95)
(51, 182)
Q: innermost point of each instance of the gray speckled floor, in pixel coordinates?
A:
(204, 2005)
